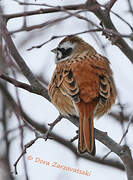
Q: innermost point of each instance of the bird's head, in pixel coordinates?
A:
(71, 46)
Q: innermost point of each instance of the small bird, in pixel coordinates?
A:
(82, 85)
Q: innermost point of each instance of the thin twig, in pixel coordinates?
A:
(123, 136)
(108, 32)
(60, 36)
(16, 83)
(74, 138)
(33, 4)
(128, 125)
(107, 22)
(110, 4)
(19, 117)
(52, 126)
(122, 19)
(39, 26)
(130, 7)
(45, 11)
(45, 136)
(47, 23)
(24, 152)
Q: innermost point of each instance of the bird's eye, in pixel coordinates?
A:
(63, 53)
(66, 52)
(62, 50)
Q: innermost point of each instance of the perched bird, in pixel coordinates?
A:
(82, 85)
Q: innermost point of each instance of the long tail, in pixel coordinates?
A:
(86, 132)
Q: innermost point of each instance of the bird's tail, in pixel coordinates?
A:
(86, 131)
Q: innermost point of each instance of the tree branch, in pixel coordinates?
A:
(105, 18)
(110, 4)
(123, 152)
(19, 84)
(57, 138)
(90, 5)
(39, 26)
(44, 11)
(36, 86)
(108, 32)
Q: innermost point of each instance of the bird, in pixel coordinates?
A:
(82, 85)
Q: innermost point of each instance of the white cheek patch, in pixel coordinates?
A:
(67, 45)
(59, 55)
(63, 59)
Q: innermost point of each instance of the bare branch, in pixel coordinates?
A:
(58, 139)
(92, 6)
(39, 26)
(122, 152)
(44, 11)
(60, 36)
(130, 7)
(125, 133)
(58, 119)
(24, 152)
(19, 84)
(32, 4)
(104, 17)
(45, 137)
(16, 83)
(129, 122)
(21, 63)
(109, 33)
(19, 117)
(110, 4)
(122, 19)
(74, 138)
(47, 23)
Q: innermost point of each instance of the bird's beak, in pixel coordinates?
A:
(54, 50)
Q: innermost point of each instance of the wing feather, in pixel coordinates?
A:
(68, 84)
(104, 89)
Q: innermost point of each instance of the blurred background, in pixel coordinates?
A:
(14, 133)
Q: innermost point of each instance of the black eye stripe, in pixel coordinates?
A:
(65, 52)
(62, 50)
(69, 50)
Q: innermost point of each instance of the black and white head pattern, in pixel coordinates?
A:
(64, 51)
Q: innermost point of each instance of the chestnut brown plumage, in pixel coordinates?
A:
(82, 85)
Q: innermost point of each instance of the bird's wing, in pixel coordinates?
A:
(67, 83)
